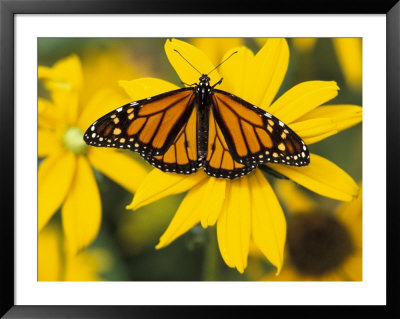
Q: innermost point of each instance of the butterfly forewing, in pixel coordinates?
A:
(181, 156)
(147, 126)
(254, 136)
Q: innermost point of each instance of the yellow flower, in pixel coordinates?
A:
(65, 176)
(322, 246)
(247, 208)
(55, 265)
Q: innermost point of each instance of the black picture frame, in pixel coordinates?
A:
(8, 10)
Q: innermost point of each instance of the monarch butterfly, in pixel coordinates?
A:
(198, 126)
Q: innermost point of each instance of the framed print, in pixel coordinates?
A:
(153, 157)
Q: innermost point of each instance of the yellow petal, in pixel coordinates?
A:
(193, 55)
(350, 215)
(233, 227)
(314, 130)
(304, 44)
(158, 184)
(54, 180)
(118, 166)
(322, 177)
(222, 232)
(303, 98)
(187, 215)
(215, 48)
(287, 274)
(295, 200)
(105, 66)
(344, 116)
(67, 103)
(261, 41)
(349, 53)
(49, 254)
(237, 72)
(271, 64)
(66, 74)
(49, 115)
(256, 79)
(211, 202)
(102, 102)
(44, 72)
(268, 220)
(81, 212)
(87, 265)
(48, 142)
(146, 87)
(43, 104)
(64, 80)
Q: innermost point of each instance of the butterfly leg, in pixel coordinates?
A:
(190, 85)
(219, 82)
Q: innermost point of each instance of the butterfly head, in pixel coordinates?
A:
(204, 80)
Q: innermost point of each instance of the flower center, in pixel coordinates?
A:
(317, 243)
(73, 140)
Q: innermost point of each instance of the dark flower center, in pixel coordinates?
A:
(317, 243)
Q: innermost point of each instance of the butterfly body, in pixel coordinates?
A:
(203, 91)
(199, 126)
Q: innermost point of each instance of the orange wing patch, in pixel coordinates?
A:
(168, 101)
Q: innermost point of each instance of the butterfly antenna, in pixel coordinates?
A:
(222, 62)
(187, 60)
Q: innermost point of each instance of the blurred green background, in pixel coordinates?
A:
(128, 238)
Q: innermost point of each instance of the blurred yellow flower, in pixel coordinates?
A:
(103, 68)
(247, 208)
(348, 52)
(65, 177)
(215, 48)
(349, 55)
(55, 265)
(322, 246)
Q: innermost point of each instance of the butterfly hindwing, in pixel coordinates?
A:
(254, 136)
(219, 161)
(147, 126)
